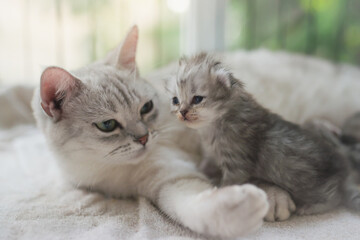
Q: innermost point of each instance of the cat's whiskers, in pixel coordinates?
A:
(162, 137)
(112, 152)
(116, 155)
(169, 127)
(78, 149)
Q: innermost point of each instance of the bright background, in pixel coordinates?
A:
(71, 33)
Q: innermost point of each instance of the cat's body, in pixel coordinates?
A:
(109, 131)
(276, 151)
(248, 142)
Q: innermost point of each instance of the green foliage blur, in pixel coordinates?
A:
(325, 28)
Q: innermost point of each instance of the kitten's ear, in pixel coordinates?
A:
(56, 86)
(225, 78)
(183, 60)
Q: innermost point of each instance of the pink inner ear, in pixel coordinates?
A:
(128, 50)
(54, 80)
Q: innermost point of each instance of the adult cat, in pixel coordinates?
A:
(106, 127)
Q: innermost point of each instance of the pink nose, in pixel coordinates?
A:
(143, 140)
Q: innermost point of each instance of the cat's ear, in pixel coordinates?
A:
(127, 55)
(56, 86)
(123, 57)
(224, 77)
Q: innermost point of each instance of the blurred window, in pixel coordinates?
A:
(67, 33)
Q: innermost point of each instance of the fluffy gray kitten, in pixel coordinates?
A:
(249, 142)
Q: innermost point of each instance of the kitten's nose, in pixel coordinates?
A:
(142, 140)
(184, 112)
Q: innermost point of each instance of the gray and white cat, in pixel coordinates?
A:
(250, 143)
(108, 129)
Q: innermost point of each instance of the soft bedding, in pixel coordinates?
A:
(35, 202)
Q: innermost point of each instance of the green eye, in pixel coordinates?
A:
(107, 126)
(147, 107)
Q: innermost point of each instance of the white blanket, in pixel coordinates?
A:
(35, 203)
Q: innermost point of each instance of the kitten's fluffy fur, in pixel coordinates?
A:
(350, 137)
(67, 107)
(249, 142)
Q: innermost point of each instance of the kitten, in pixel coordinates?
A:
(105, 125)
(250, 143)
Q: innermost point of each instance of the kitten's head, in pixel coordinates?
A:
(199, 89)
(103, 112)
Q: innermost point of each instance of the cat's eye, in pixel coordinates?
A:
(147, 107)
(175, 101)
(197, 99)
(107, 126)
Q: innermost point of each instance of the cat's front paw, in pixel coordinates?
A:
(281, 206)
(232, 211)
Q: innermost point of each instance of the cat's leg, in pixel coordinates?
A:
(232, 211)
(187, 196)
(281, 205)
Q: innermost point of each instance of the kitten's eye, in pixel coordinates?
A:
(107, 126)
(147, 107)
(197, 99)
(175, 101)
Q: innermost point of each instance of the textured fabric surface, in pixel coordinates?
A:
(35, 202)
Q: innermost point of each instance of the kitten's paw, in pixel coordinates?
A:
(281, 206)
(232, 211)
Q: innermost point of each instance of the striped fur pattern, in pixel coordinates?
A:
(118, 165)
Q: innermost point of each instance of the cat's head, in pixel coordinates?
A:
(103, 112)
(199, 89)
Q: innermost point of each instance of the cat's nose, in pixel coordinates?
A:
(142, 140)
(184, 112)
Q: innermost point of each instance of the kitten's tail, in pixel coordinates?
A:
(352, 192)
(339, 142)
(354, 156)
(351, 155)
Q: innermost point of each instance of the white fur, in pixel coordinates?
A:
(226, 212)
